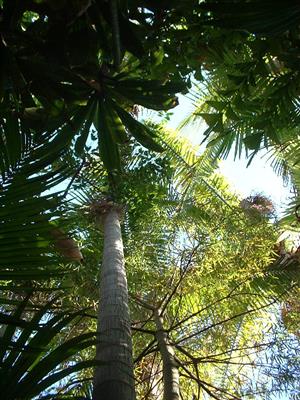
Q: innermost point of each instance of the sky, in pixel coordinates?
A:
(259, 177)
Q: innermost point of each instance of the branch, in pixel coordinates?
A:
(166, 300)
(221, 390)
(147, 350)
(226, 320)
(199, 382)
(143, 330)
(234, 349)
(203, 384)
(230, 294)
(115, 32)
(142, 302)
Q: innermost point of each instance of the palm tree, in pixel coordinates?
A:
(142, 183)
(63, 72)
(45, 113)
(114, 379)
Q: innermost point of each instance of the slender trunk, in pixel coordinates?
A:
(114, 379)
(170, 368)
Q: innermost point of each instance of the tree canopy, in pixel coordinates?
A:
(214, 297)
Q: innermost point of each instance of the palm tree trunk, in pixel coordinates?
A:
(114, 379)
(170, 367)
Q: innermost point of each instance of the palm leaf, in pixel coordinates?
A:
(30, 201)
(34, 355)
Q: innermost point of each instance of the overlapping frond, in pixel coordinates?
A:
(38, 349)
(29, 204)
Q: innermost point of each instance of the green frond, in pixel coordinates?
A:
(192, 171)
(30, 201)
(34, 355)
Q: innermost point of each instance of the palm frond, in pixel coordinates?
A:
(30, 199)
(34, 354)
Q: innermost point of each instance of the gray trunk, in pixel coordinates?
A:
(170, 368)
(114, 380)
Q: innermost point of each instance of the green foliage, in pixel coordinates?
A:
(29, 206)
(218, 299)
(69, 68)
(38, 349)
(86, 58)
(249, 99)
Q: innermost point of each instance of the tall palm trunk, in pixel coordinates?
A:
(114, 379)
(170, 367)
